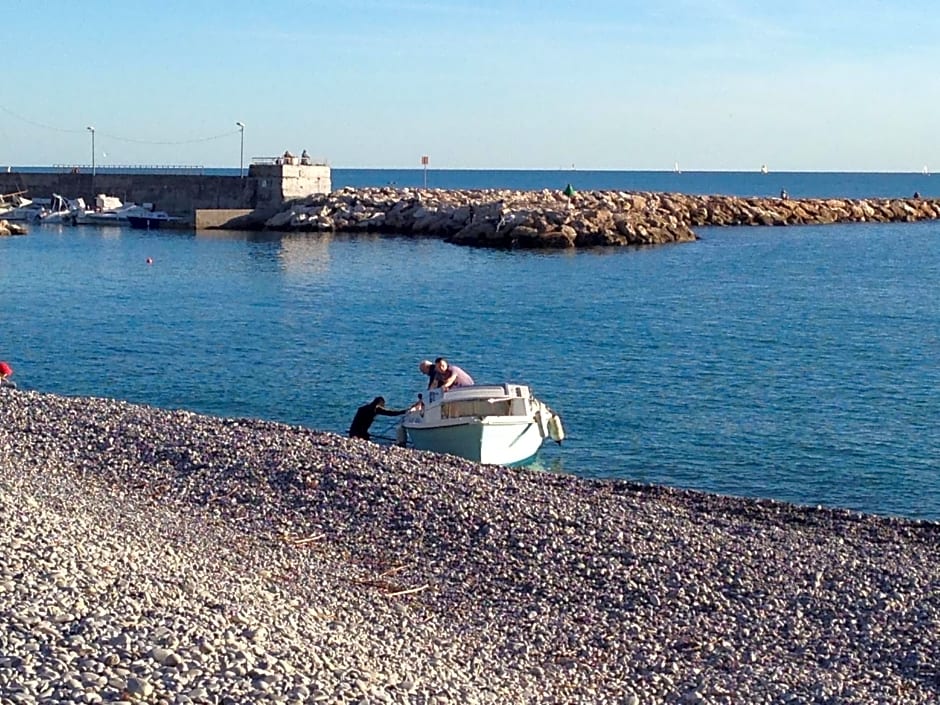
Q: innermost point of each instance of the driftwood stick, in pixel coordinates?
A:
(408, 591)
(309, 539)
(391, 571)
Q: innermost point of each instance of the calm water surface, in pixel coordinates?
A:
(799, 364)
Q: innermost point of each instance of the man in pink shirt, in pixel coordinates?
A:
(450, 375)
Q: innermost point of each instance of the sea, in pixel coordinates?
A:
(800, 364)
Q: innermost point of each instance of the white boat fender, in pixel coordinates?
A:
(541, 417)
(555, 430)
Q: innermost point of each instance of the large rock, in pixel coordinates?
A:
(8, 228)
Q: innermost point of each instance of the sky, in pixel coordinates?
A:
(528, 84)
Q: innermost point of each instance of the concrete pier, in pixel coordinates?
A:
(266, 187)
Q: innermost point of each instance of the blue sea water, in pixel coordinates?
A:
(807, 184)
(800, 364)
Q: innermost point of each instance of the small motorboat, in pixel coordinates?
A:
(62, 210)
(110, 210)
(17, 207)
(493, 424)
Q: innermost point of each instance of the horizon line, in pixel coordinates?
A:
(921, 172)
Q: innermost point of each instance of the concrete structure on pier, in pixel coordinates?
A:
(268, 185)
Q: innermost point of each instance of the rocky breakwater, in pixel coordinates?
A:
(493, 218)
(551, 219)
(733, 210)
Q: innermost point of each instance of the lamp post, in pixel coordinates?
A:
(241, 151)
(92, 131)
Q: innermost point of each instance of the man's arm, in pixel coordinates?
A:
(382, 411)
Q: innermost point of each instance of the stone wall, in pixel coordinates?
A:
(290, 181)
(218, 218)
(550, 219)
(265, 188)
(178, 195)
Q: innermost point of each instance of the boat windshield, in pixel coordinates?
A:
(476, 407)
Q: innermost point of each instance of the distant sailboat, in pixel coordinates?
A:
(676, 168)
(926, 171)
(763, 168)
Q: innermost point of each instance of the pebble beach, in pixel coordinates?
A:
(160, 556)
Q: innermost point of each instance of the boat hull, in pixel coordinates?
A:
(140, 222)
(489, 440)
(99, 219)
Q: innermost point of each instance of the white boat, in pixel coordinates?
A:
(41, 210)
(11, 201)
(494, 424)
(16, 207)
(110, 210)
(62, 210)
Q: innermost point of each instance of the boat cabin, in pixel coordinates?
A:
(480, 401)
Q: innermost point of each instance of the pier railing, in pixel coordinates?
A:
(129, 169)
(292, 159)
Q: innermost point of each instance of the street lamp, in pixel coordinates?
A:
(92, 131)
(241, 151)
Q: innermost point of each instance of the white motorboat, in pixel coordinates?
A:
(110, 210)
(62, 210)
(42, 210)
(16, 207)
(494, 424)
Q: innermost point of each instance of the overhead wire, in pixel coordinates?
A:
(117, 138)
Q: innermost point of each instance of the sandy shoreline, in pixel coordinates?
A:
(164, 556)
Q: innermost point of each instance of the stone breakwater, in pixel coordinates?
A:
(550, 219)
(155, 556)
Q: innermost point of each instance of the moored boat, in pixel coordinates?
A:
(494, 424)
(62, 210)
(151, 220)
(110, 210)
(16, 207)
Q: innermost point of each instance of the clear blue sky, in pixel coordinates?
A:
(530, 84)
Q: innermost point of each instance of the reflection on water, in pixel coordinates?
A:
(297, 252)
(306, 253)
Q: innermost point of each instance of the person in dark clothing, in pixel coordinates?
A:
(366, 414)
